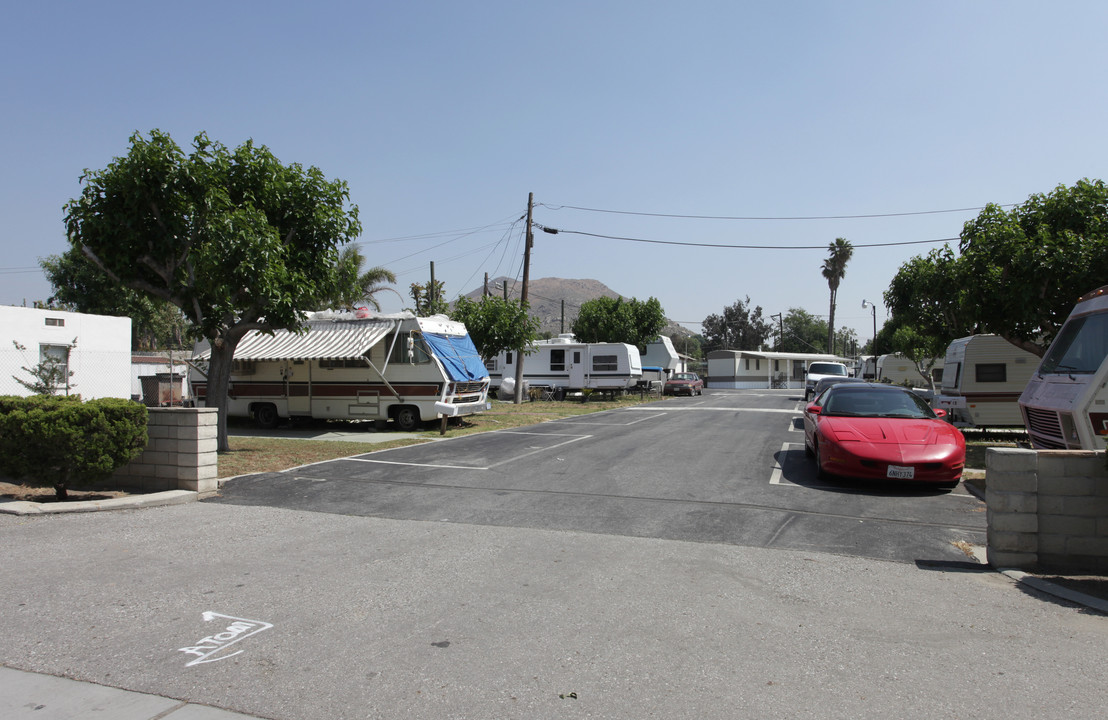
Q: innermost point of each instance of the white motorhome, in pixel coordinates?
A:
(563, 364)
(1065, 404)
(983, 376)
(385, 367)
(899, 370)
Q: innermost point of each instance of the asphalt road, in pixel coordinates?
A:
(532, 575)
(727, 466)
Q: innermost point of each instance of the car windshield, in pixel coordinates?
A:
(871, 402)
(826, 369)
(684, 376)
(1080, 348)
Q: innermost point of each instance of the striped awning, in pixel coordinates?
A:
(324, 340)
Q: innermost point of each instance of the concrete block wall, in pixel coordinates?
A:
(1047, 509)
(181, 453)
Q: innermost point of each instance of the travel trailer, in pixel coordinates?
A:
(899, 370)
(1065, 404)
(354, 367)
(983, 376)
(563, 364)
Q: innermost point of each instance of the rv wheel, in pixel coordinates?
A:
(407, 418)
(266, 416)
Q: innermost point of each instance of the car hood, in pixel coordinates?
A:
(898, 431)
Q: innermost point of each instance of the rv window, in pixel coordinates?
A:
(747, 363)
(490, 364)
(604, 363)
(776, 365)
(953, 373)
(1081, 346)
(400, 350)
(557, 360)
(344, 363)
(508, 358)
(991, 372)
(576, 356)
(243, 367)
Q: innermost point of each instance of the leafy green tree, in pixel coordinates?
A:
(495, 324)
(428, 299)
(932, 296)
(605, 319)
(739, 327)
(802, 332)
(82, 287)
(236, 239)
(834, 270)
(1031, 263)
(357, 288)
(924, 350)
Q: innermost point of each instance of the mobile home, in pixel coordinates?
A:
(983, 376)
(387, 367)
(1065, 404)
(564, 364)
(738, 369)
(93, 351)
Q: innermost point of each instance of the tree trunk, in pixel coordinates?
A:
(831, 324)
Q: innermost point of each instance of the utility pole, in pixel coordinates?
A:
(431, 288)
(523, 293)
(781, 329)
(563, 330)
(486, 292)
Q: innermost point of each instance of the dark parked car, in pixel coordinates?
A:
(684, 384)
(873, 430)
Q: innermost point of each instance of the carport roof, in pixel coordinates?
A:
(324, 340)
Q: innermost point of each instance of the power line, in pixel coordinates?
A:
(777, 218)
(557, 231)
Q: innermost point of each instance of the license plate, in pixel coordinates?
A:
(901, 473)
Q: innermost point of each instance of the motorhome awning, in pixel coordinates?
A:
(458, 355)
(322, 341)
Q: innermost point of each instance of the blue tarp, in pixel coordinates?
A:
(458, 355)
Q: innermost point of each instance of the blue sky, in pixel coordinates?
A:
(443, 116)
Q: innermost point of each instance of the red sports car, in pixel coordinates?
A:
(684, 383)
(873, 430)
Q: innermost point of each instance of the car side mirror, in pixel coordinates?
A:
(813, 409)
(939, 412)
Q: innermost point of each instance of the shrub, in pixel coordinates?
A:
(62, 441)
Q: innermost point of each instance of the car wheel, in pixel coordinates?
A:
(407, 418)
(808, 448)
(266, 416)
(820, 472)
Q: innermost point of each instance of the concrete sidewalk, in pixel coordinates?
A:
(44, 697)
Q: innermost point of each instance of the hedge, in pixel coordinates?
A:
(64, 441)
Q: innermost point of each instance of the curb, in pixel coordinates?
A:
(168, 497)
(1043, 586)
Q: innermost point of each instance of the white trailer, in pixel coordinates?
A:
(899, 370)
(983, 376)
(387, 367)
(1065, 404)
(563, 364)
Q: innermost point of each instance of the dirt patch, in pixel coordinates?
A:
(30, 493)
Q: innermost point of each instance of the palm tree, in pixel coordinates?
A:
(834, 269)
(359, 287)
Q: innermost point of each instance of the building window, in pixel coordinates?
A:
(604, 363)
(557, 360)
(991, 372)
(55, 322)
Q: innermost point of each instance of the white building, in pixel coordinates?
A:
(96, 349)
(738, 369)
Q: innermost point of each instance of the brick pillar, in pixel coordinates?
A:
(180, 454)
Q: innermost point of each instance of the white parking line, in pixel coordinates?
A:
(573, 421)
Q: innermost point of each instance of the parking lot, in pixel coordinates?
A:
(727, 467)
